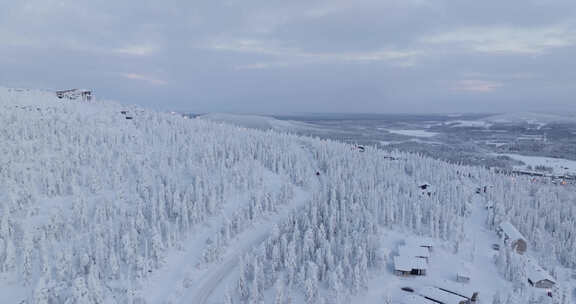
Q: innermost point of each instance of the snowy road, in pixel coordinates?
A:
(185, 278)
(218, 272)
(202, 292)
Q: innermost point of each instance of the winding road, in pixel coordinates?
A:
(218, 272)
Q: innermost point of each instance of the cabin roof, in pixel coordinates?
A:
(407, 263)
(455, 287)
(440, 295)
(415, 299)
(511, 231)
(536, 273)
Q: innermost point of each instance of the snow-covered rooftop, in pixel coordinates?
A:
(511, 231)
(414, 299)
(536, 273)
(459, 288)
(407, 263)
(440, 295)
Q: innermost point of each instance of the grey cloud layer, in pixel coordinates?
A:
(297, 56)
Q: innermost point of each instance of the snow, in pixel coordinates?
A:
(183, 277)
(413, 251)
(535, 272)
(256, 122)
(443, 266)
(510, 231)
(413, 133)
(163, 209)
(405, 262)
(440, 295)
(422, 241)
(532, 118)
(559, 165)
(414, 299)
(470, 124)
(217, 273)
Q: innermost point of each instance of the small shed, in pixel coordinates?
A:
(464, 274)
(537, 276)
(405, 266)
(512, 237)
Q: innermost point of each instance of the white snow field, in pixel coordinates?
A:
(558, 165)
(98, 208)
(258, 122)
(413, 133)
(540, 119)
(470, 124)
(532, 118)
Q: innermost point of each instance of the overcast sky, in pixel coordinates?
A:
(270, 56)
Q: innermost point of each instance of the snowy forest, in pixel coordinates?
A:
(93, 205)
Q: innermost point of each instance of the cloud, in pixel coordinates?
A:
(474, 85)
(146, 78)
(342, 51)
(75, 44)
(137, 50)
(506, 39)
(262, 65)
(500, 76)
(297, 56)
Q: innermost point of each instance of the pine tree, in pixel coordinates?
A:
(279, 298)
(228, 296)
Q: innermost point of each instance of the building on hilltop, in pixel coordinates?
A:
(75, 94)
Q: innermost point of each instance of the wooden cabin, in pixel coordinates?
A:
(537, 276)
(406, 266)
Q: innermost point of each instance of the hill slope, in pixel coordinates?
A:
(97, 208)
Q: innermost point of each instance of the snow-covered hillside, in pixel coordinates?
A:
(106, 203)
(540, 119)
(257, 122)
(532, 118)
